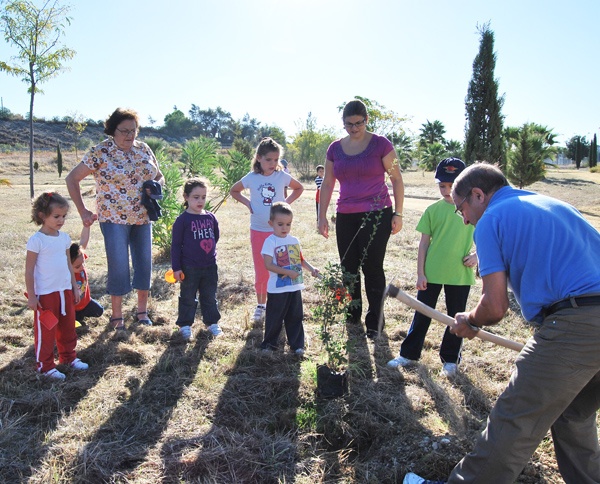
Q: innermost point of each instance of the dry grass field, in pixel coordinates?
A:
(153, 408)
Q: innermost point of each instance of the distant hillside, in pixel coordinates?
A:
(47, 134)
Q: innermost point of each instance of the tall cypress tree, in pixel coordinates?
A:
(483, 131)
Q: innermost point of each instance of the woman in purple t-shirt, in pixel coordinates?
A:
(365, 216)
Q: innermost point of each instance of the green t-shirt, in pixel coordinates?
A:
(451, 240)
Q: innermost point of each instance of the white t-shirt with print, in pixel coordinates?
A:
(287, 253)
(264, 191)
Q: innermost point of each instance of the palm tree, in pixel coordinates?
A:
(432, 154)
(432, 133)
(528, 147)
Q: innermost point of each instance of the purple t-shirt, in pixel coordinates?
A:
(194, 240)
(361, 176)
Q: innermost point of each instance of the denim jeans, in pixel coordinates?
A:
(202, 281)
(118, 241)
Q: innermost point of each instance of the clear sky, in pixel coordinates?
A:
(278, 60)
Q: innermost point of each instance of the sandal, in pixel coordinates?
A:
(145, 321)
(117, 327)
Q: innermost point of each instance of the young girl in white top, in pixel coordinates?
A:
(266, 183)
(51, 287)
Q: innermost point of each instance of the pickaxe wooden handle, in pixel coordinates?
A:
(432, 313)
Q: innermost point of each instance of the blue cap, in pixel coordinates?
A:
(448, 169)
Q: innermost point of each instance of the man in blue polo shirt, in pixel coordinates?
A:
(549, 255)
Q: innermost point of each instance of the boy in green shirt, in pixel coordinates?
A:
(444, 260)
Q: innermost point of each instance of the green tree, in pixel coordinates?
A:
(36, 34)
(483, 134)
(405, 150)
(177, 124)
(455, 149)
(308, 147)
(593, 159)
(213, 123)
(432, 133)
(199, 155)
(578, 148)
(528, 147)
(431, 155)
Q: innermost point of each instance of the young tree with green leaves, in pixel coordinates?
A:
(528, 147)
(483, 105)
(36, 33)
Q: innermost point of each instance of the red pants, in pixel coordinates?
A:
(63, 333)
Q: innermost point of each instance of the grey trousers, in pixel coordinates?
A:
(555, 385)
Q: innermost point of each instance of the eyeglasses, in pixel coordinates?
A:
(458, 210)
(127, 132)
(355, 125)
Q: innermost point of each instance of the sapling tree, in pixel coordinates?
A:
(36, 34)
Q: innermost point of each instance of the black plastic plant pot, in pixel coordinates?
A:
(331, 384)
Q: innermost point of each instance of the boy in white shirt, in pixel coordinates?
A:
(283, 259)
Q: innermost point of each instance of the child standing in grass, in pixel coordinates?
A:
(86, 307)
(51, 286)
(194, 260)
(266, 183)
(283, 259)
(444, 260)
(319, 182)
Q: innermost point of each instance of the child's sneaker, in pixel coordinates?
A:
(299, 352)
(215, 329)
(400, 361)
(449, 370)
(55, 374)
(259, 313)
(77, 364)
(411, 478)
(185, 332)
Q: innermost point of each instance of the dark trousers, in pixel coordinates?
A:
(93, 310)
(284, 309)
(456, 301)
(202, 281)
(362, 240)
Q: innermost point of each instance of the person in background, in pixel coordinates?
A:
(266, 183)
(86, 307)
(120, 165)
(548, 254)
(444, 261)
(284, 261)
(365, 217)
(319, 182)
(51, 286)
(194, 260)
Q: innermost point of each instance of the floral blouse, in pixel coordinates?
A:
(119, 176)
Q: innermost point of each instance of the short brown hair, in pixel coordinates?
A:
(44, 203)
(280, 208)
(117, 117)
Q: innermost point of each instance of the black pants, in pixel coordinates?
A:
(456, 301)
(284, 309)
(362, 240)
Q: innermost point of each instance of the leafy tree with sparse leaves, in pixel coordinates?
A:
(36, 33)
(483, 106)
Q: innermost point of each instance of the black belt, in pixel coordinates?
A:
(572, 302)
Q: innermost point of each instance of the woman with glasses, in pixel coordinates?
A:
(365, 215)
(120, 165)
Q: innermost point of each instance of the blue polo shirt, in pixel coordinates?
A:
(547, 249)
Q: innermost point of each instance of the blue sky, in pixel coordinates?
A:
(279, 60)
